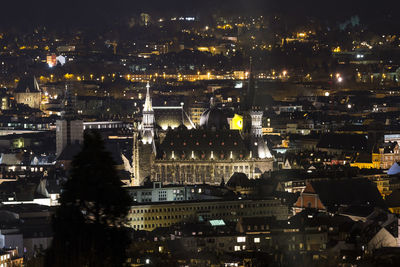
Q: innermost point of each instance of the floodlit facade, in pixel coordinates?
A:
(150, 216)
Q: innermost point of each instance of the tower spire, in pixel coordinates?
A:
(148, 119)
(250, 94)
(148, 106)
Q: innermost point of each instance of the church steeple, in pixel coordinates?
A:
(250, 94)
(148, 106)
(148, 119)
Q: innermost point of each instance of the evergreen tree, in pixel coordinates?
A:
(88, 224)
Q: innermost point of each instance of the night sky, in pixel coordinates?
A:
(76, 12)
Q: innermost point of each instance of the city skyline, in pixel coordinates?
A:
(209, 133)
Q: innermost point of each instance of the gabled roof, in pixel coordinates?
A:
(27, 84)
(348, 192)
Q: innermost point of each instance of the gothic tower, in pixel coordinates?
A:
(148, 119)
(256, 122)
(144, 147)
(135, 157)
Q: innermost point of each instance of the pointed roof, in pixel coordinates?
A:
(148, 106)
(27, 84)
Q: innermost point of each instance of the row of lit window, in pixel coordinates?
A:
(207, 207)
(147, 226)
(169, 217)
(213, 215)
(4, 257)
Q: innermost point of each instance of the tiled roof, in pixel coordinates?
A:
(202, 143)
(348, 192)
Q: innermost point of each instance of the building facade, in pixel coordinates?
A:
(162, 214)
(28, 92)
(210, 153)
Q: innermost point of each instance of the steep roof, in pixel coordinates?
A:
(148, 106)
(27, 84)
(348, 192)
(202, 142)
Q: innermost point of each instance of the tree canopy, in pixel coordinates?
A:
(89, 223)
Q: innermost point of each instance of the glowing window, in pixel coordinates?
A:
(241, 239)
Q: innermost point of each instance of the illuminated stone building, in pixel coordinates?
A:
(28, 92)
(144, 148)
(10, 257)
(210, 153)
(150, 216)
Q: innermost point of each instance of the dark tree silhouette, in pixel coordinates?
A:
(88, 224)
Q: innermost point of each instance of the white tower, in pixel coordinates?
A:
(256, 123)
(69, 130)
(148, 119)
(259, 144)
